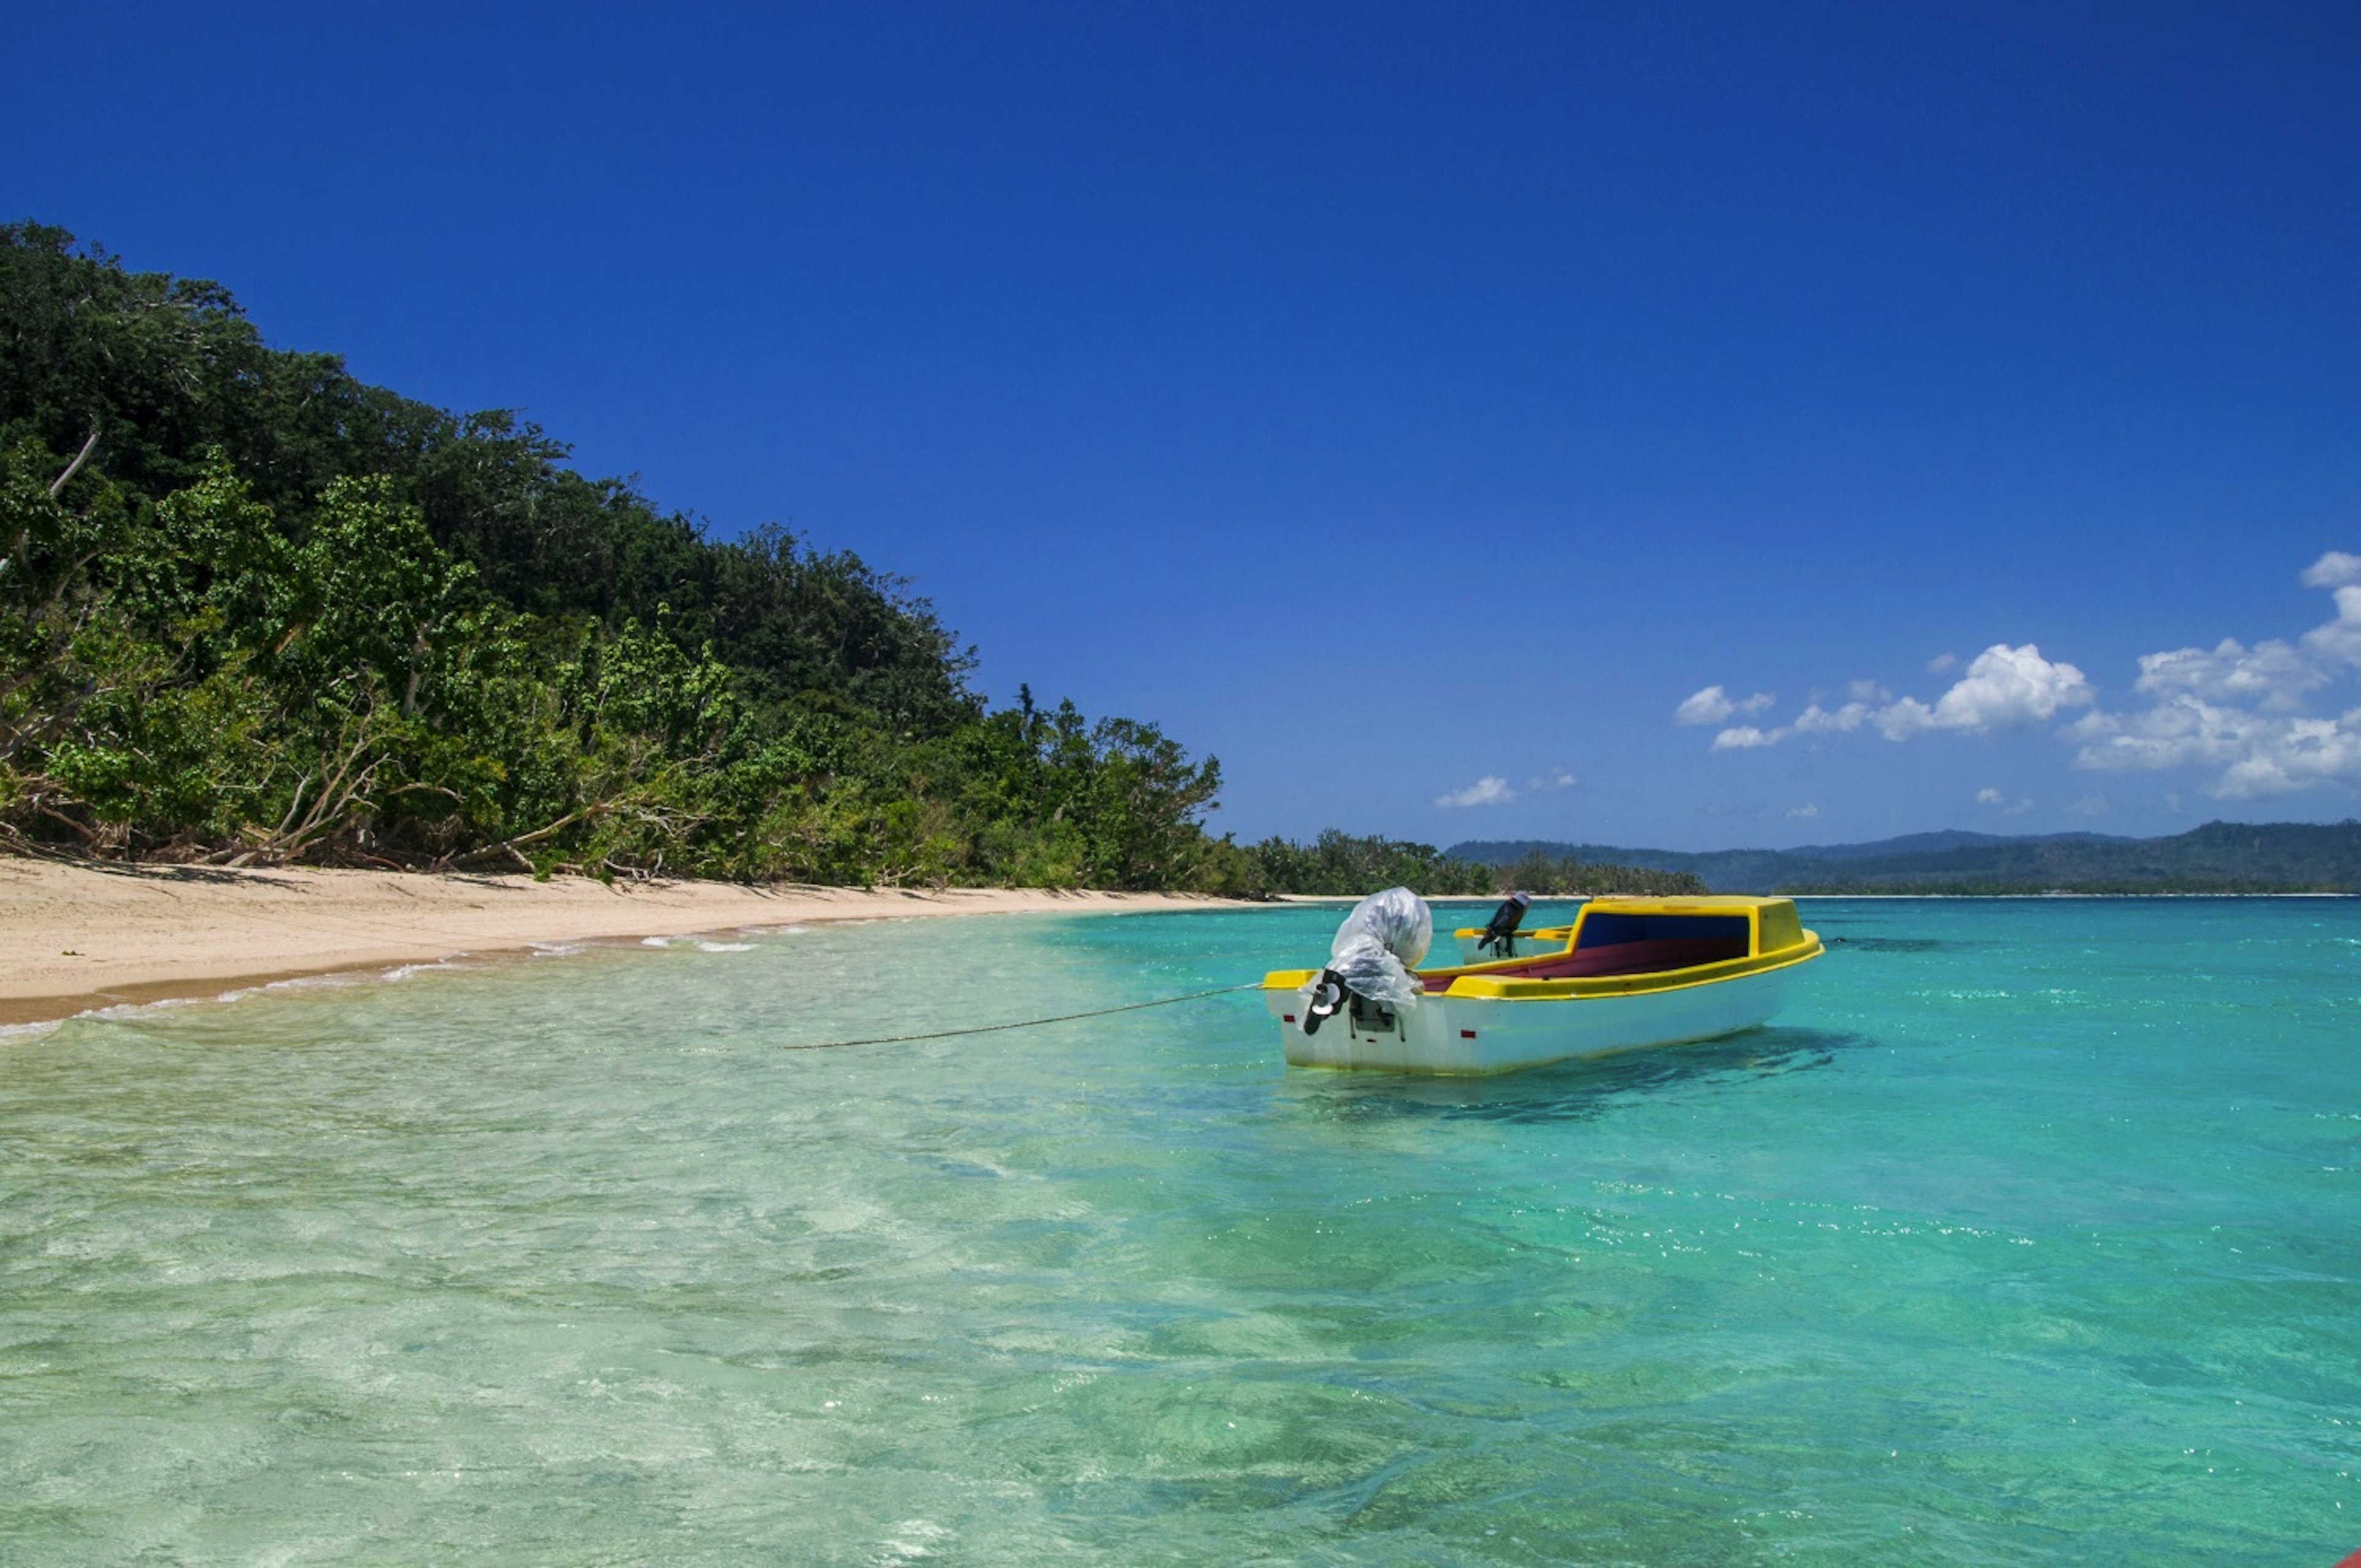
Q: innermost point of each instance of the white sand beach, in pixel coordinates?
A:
(77, 936)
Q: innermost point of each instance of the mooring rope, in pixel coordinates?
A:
(1025, 1023)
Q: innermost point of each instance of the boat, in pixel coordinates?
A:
(1629, 974)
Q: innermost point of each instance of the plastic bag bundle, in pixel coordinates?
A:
(1379, 943)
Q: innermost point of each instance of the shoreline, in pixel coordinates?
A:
(78, 938)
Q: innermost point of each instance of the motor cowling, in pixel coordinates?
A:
(1373, 955)
(1500, 936)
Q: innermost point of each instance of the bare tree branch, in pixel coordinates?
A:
(58, 486)
(510, 846)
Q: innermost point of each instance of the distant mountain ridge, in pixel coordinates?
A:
(2220, 857)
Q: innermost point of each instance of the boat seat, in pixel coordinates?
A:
(1622, 958)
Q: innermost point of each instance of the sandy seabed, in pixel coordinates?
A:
(73, 938)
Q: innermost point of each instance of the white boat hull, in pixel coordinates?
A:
(1478, 1036)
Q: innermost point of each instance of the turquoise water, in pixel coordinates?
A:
(2031, 1233)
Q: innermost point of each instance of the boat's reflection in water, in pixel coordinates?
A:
(1569, 1091)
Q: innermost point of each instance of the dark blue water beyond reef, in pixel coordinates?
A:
(2030, 1233)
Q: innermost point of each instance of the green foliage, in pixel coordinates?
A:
(1558, 876)
(1337, 864)
(251, 608)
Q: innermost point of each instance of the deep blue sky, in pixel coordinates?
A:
(1387, 398)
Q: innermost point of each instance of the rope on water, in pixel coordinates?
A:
(1025, 1023)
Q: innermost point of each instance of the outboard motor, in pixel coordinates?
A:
(1372, 957)
(1328, 994)
(1500, 936)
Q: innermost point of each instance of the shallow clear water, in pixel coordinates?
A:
(2031, 1233)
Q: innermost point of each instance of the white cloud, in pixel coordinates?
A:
(2259, 753)
(2333, 568)
(1906, 717)
(1715, 704)
(2237, 710)
(1490, 790)
(2004, 688)
(2296, 754)
(1804, 811)
(1941, 661)
(2178, 731)
(2339, 640)
(1818, 720)
(2007, 687)
(2092, 805)
(1710, 705)
(1494, 790)
(2271, 673)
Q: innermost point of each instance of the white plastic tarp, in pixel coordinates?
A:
(1379, 943)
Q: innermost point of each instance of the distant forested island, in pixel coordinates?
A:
(2217, 858)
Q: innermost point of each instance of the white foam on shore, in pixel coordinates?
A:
(115, 1012)
(333, 980)
(403, 972)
